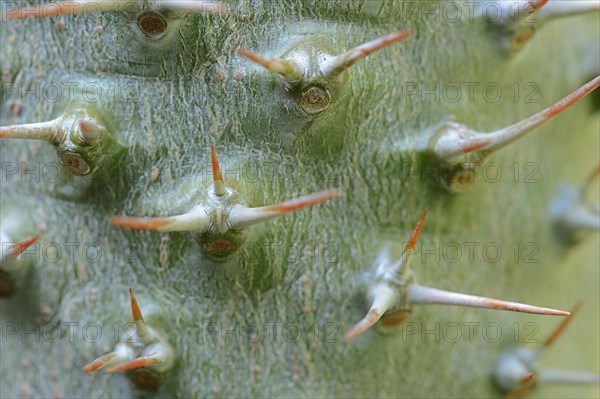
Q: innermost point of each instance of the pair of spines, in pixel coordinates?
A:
(147, 356)
(332, 67)
(570, 214)
(218, 222)
(515, 22)
(516, 371)
(392, 290)
(455, 145)
(80, 136)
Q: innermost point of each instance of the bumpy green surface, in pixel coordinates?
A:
(190, 91)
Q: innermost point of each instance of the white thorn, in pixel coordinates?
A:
(384, 298)
(507, 13)
(51, 131)
(286, 68)
(418, 294)
(507, 135)
(582, 218)
(566, 376)
(121, 354)
(555, 9)
(142, 331)
(164, 353)
(195, 220)
(218, 183)
(459, 140)
(335, 66)
(159, 356)
(197, 6)
(241, 216)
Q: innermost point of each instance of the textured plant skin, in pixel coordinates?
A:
(193, 91)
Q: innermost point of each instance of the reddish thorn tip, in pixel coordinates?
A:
(560, 329)
(303, 202)
(216, 169)
(138, 223)
(595, 173)
(252, 57)
(93, 366)
(367, 322)
(512, 307)
(135, 309)
(416, 232)
(536, 5)
(19, 247)
(571, 99)
(474, 145)
(49, 10)
(98, 363)
(529, 379)
(134, 364)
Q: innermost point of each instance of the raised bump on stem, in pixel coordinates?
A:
(289, 70)
(448, 146)
(570, 215)
(513, 370)
(418, 294)
(340, 63)
(515, 365)
(383, 296)
(394, 288)
(244, 217)
(80, 136)
(90, 129)
(149, 349)
(219, 184)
